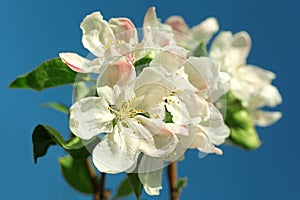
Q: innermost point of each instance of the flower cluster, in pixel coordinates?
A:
(156, 95)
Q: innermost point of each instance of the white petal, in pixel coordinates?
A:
(80, 64)
(253, 86)
(265, 118)
(97, 34)
(89, 117)
(108, 94)
(202, 142)
(151, 87)
(185, 142)
(205, 30)
(189, 108)
(158, 111)
(257, 73)
(116, 152)
(172, 57)
(156, 137)
(230, 51)
(205, 76)
(150, 174)
(215, 128)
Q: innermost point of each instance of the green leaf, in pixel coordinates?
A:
(142, 63)
(168, 117)
(41, 142)
(200, 51)
(242, 129)
(136, 184)
(49, 74)
(57, 106)
(43, 136)
(79, 149)
(181, 183)
(76, 173)
(124, 189)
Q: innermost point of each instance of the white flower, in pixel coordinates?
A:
(191, 38)
(195, 111)
(129, 111)
(189, 106)
(251, 84)
(118, 37)
(103, 39)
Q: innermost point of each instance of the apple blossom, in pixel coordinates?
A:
(104, 40)
(207, 84)
(250, 84)
(128, 110)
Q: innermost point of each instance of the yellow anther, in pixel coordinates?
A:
(108, 45)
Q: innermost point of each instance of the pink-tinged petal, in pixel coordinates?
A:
(80, 64)
(97, 34)
(177, 23)
(156, 34)
(119, 72)
(124, 29)
(150, 18)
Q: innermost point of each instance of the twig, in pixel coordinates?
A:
(94, 180)
(102, 186)
(172, 176)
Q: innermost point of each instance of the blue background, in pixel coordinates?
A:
(33, 31)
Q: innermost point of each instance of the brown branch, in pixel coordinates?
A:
(102, 186)
(172, 176)
(94, 180)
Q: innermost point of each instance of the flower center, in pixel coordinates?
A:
(127, 111)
